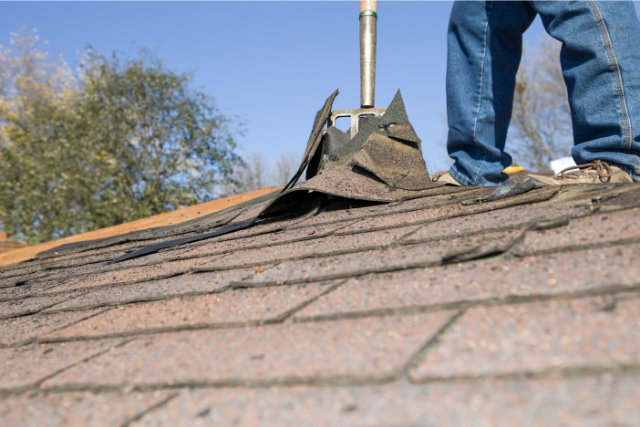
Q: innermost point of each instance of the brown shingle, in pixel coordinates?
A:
(25, 306)
(597, 332)
(592, 230)
(362, 348)
(78, 409)
(539, 276)
(185, 284)
(585, 401)
(320, 246)
(24, 328)
(238, 306)
(25, 366)
(383, 259)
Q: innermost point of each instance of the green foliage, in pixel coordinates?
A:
(126, 140)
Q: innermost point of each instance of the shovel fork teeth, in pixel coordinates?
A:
(354, 116)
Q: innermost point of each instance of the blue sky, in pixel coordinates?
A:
(270, 63)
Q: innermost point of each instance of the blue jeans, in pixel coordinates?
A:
(600, 60)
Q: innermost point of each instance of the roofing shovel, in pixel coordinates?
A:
(368, 36)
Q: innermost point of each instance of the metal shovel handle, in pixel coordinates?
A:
(368, 35)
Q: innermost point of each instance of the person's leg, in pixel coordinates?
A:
(600, 59)
(484, 50)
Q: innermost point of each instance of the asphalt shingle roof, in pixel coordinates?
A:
(432, 311)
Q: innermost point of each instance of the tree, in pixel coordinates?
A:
(34, 100)
(255, 172)
(249, 174)
(122, 141)
(165, 146)
(541, 128)
(285, 166)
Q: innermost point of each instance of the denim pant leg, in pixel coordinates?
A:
(600, 60)
(484, 51)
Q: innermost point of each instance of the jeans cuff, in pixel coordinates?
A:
(459, 177)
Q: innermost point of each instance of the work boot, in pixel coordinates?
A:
(445, 177)
(595, 172)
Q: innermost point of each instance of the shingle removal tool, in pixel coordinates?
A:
(368, 38)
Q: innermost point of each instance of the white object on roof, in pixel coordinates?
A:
(559, 164)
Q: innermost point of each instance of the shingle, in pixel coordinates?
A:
(263, 239)
(595, 229)
(25, 366)
(242, 305)
(510, 217)
(607, 195)
(164, 263)
(384, 259)
(622, 196)
(593, 401)
(32, 305)
(12, 277)
(541, 275)
(538, 336)
(345, 215)
(26, 290)
(25, 328)
(153, 290)
(11, 271)
(129, 275)
(366, 348)
(73, 259)
(77, 409)
(319, 246)
(416, 216)
(447, 211)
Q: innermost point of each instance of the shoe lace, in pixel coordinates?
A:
(602, 171)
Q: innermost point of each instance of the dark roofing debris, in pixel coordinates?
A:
(383, 162)
(459, 306)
